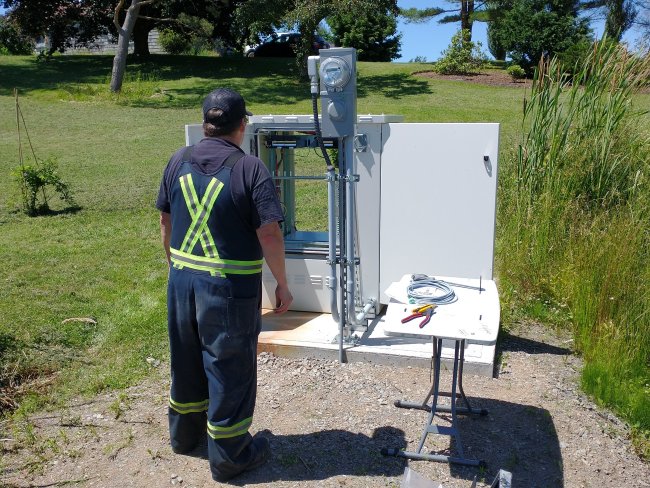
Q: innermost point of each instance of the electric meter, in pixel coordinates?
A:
(335, 73)
(338, 90)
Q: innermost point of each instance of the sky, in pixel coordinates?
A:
(431, 38)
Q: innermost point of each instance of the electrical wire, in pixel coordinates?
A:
(319, 134)
(428, 290)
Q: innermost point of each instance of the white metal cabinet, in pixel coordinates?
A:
(438, 200)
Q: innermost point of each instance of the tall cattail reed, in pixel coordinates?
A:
(574, 221)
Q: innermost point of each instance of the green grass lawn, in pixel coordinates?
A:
(105, 260)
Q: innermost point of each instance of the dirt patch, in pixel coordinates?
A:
(491, 77)
(328, 422)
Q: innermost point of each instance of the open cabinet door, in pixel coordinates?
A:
(438, 200)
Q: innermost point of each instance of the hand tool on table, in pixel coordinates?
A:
(423, 308)
(425, 311)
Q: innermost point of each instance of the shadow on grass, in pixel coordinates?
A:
(395, 85)
(30, 74)
(48, 212)
(9, 344)
(274, 90)
(9, 374)
(276, 80)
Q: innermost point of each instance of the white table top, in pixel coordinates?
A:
(474, 316)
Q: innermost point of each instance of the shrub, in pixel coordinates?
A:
(516, 72)
(574, 57)
(174, 42)
(462, 57)
(35, 183)
(12, 40)
(192, 36)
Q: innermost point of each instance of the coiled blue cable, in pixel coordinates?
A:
(417, 293)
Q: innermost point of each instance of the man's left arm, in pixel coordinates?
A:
(272, 243)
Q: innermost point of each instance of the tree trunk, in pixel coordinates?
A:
(141, 37)
(620, 16)
(124, 31)
(466, 12)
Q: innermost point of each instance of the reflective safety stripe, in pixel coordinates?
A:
(240, 428)
(214, 266)
(192, 407)
(199, 231)
(200, 211)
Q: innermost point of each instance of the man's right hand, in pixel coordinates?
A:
(283, 299)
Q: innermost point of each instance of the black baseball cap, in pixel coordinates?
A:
(229, 101)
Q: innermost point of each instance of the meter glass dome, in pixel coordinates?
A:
(335, 72)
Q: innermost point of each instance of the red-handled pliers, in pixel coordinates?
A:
(426, 313)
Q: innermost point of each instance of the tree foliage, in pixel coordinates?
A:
(80, 22)
(255, 17)
(642, 20)
(463, 11)
(192, 40)
(462, 57)
(619, 15)
(191, 19)
(373, 32)
(12, 39)
(64, 22)
(420, 15)
(532, 29)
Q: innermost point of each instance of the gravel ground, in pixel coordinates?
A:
(328, 422)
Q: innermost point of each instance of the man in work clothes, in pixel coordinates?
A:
(219, 219)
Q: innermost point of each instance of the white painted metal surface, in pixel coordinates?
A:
(307, 280)
(367, 164)
(438, 200)
(474, 315)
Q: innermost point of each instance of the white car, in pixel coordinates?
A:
(249, 50)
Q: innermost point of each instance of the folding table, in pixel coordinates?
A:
(473, 317)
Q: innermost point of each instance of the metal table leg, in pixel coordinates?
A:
(433, 408)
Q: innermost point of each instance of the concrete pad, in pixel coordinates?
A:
(305, 334)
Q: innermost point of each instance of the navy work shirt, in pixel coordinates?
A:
(251, 186)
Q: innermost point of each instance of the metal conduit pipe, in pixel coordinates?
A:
(350, 224)
(342, 253)
(331, 218)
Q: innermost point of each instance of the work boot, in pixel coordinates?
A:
(260, 452)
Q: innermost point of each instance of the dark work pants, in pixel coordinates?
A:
(213, 327)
